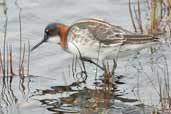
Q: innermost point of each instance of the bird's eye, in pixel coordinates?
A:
(46, 30)
(52, 31)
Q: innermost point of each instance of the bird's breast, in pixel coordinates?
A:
(82, 37)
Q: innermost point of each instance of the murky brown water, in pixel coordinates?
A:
(53, 87)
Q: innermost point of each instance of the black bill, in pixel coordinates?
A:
(37, 45)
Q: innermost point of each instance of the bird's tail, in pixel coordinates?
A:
(140, 38)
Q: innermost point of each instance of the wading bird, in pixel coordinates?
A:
(96, 39)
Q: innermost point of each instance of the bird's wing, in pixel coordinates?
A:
(107, 33)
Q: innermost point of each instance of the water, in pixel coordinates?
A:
(51, 87)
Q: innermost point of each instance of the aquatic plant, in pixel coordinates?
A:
(159, 16)
(6, 54)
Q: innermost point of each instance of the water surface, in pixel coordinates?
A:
(51, 86)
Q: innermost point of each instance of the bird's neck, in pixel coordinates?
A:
(62, 33)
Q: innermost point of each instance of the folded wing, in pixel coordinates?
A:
(107, 34)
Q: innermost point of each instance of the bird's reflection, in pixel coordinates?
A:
(77, 98)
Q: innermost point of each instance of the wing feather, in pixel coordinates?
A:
(107, 33)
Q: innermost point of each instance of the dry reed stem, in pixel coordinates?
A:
(2, 66)
(154, 19)
(6, 57)
(11, 62)
(132, 18)
(21, 68)
(28, 64)
(20, 26)
(107, 75)
(4, 44)
(137, 13)
(7, 61)
(168, 4)
(139, 17)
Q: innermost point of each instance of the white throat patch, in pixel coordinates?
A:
(54, 39)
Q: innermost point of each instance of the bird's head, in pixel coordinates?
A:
(54, 32)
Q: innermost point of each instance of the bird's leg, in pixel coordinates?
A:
(73, 61)
(104, 65)
(90, 61)
(74, 65)
(113, 70)
(114, 66)
(84, 72)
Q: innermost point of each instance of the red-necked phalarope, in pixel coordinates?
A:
(96, 39)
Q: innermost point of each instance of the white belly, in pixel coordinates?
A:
(85, 50)
(111, 52)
